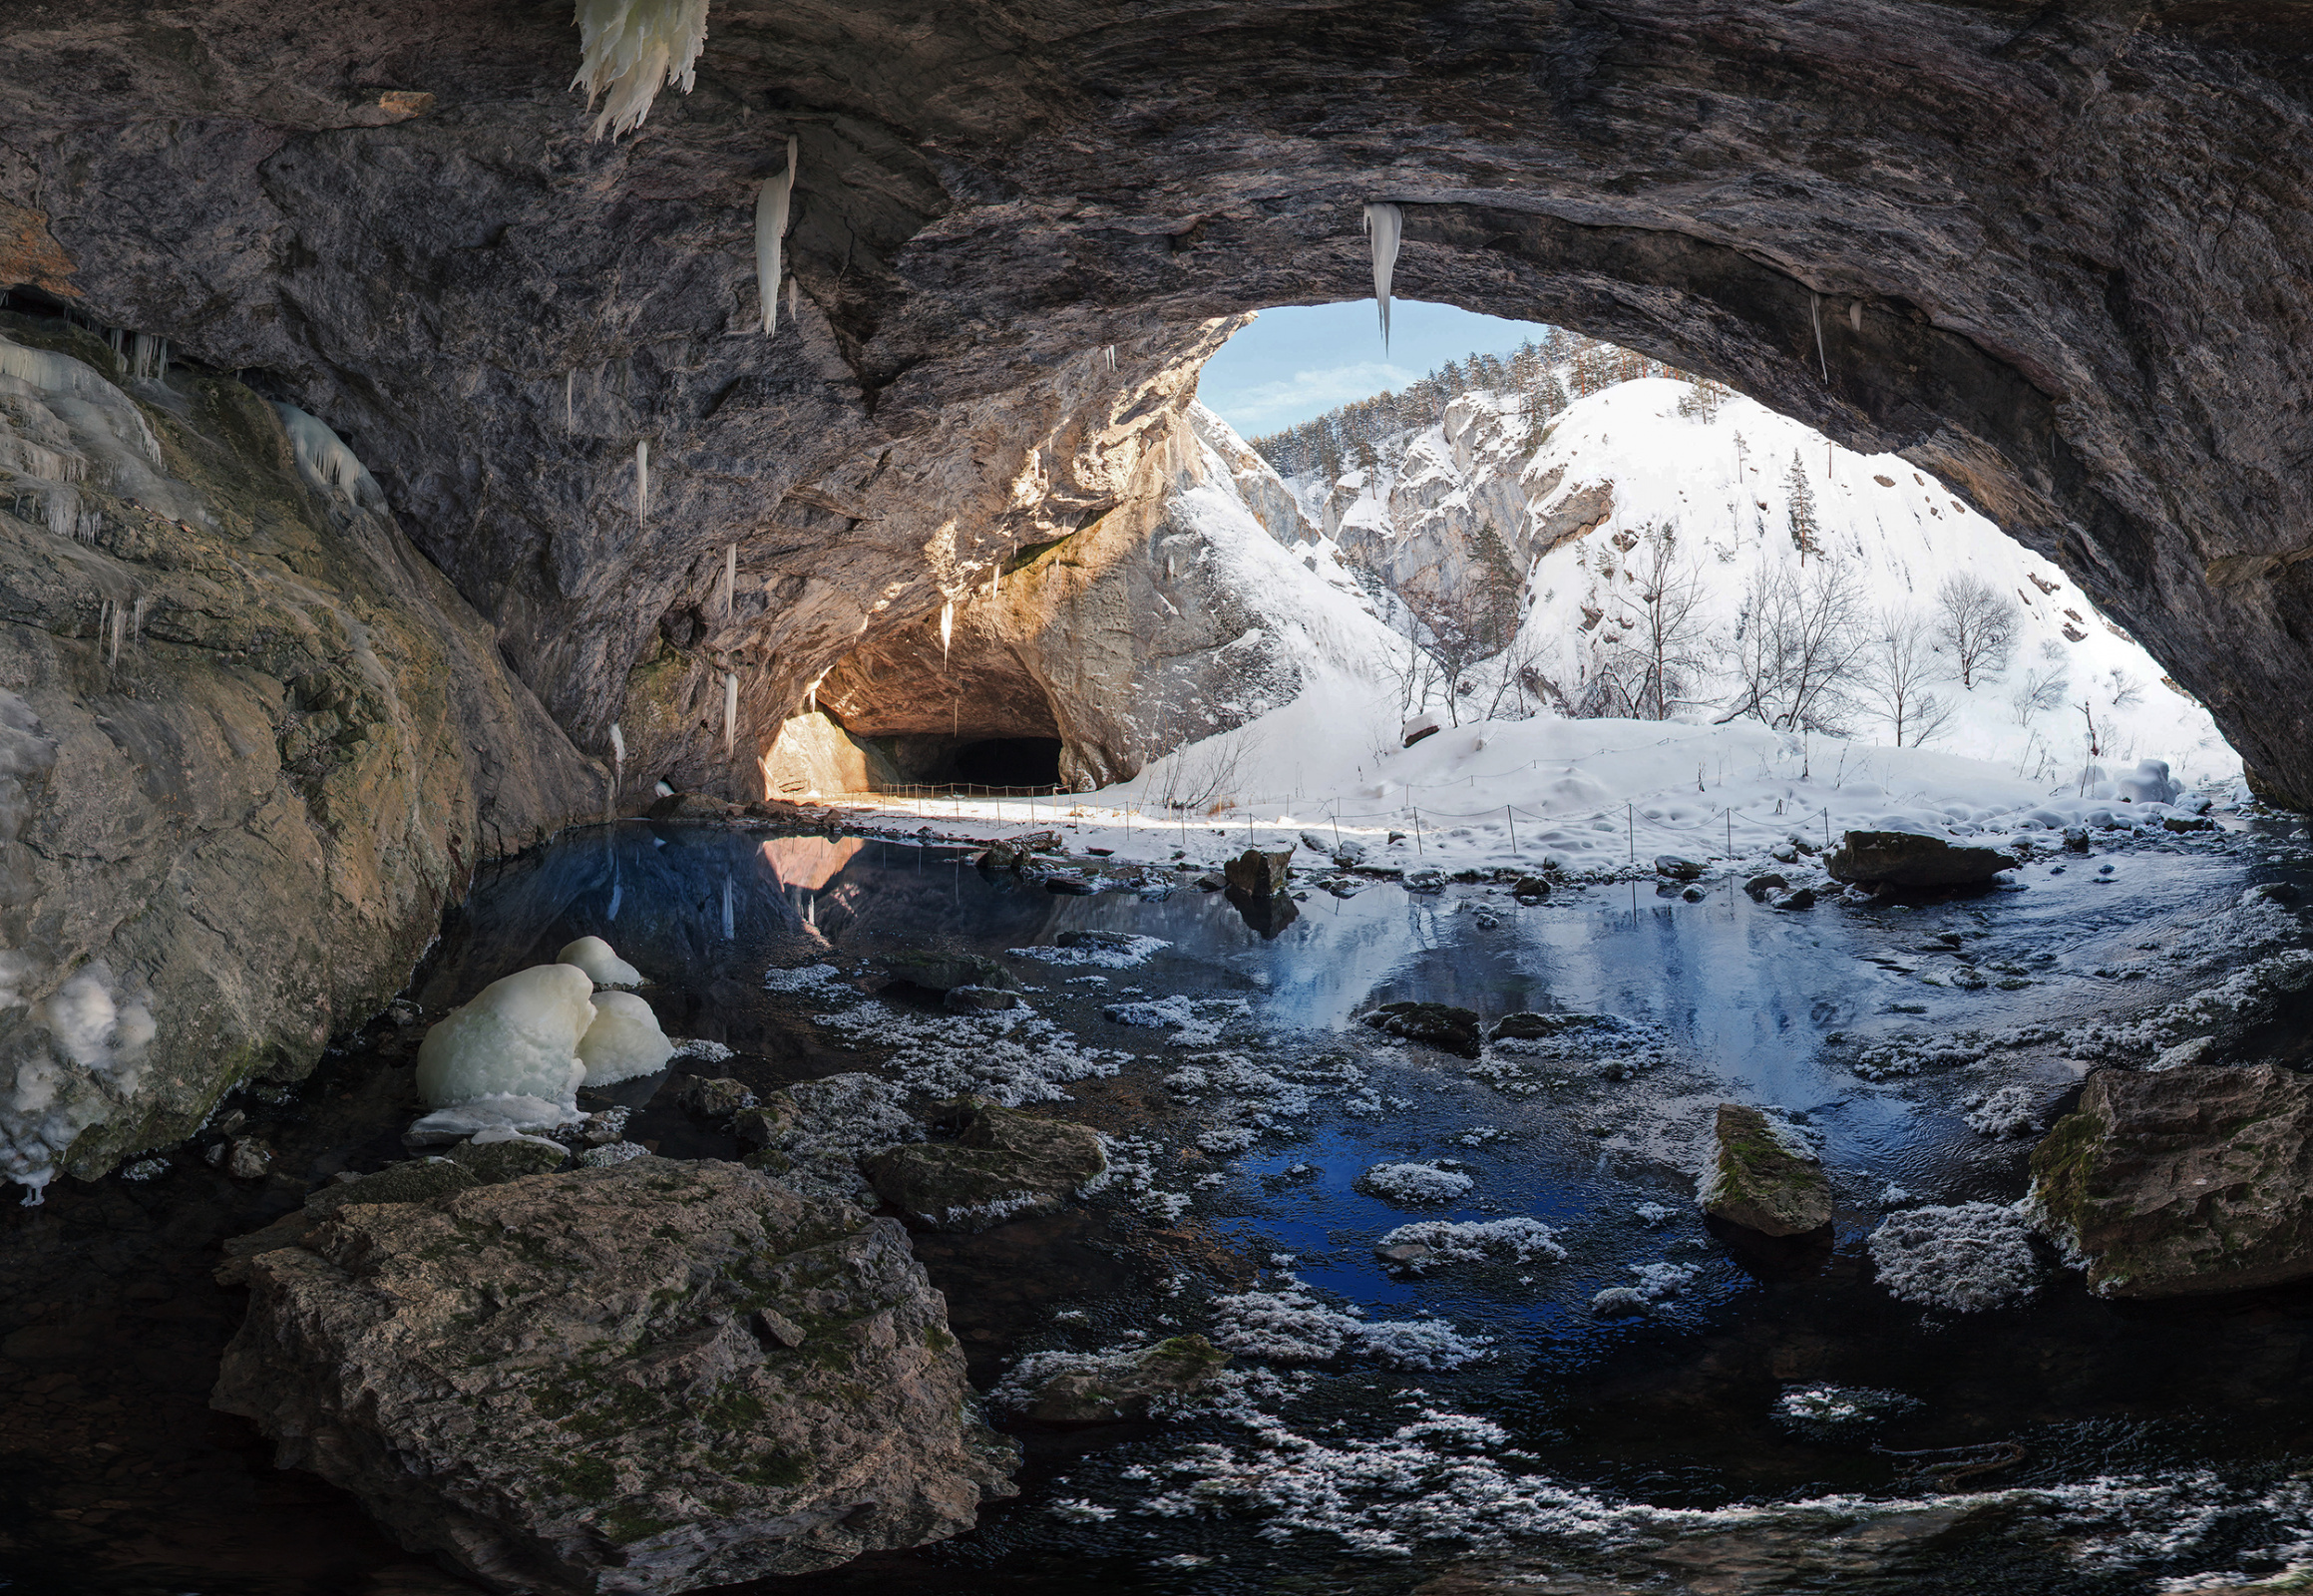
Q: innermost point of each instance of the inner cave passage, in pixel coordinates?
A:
(991, 763)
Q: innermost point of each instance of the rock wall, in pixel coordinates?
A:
(2032, 249)
(250, 745)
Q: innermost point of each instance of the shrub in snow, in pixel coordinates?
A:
(624, 1040)
(1968, 1257)
(602, 964)
(519, 1036)
(1414, 1183)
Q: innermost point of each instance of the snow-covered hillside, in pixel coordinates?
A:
(1656, 485)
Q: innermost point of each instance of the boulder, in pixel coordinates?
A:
(2182, 1181)
(691, 806)
(1434, 1024)
(1530, 889)
(493, 1158)
(1000, 1165)
(935, 971)
(1804, 898)
(1764, 886)
(1258, 872)
(1906, 859)
(642, 1379)
(1761, 1178)
(1678, 868)
(716, 1097)
(1104, 1391)
(980, 1000)
(1122, 941)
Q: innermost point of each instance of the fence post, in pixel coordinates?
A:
(1631, 829)
(1416, 811)
(1511, 815)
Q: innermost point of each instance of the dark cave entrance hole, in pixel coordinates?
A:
(1008, 762)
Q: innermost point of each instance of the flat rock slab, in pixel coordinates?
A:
(642, 1379)
(1434, 1024)
(2180, 1182)
(1906, 859)
(1002, 1165)
(1761, 1180)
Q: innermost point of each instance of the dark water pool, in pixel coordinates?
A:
(113, 1477)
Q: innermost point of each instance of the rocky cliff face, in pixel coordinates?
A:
(2032, 249)
(250, 745)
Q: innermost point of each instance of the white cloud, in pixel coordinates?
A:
(1259, 407)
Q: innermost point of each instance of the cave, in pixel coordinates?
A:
(467, 472)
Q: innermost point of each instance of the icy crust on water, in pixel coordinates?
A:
(1472, 1241)
(2231, 1007)
(809, 977)
(1602, 1044)
(1194, 1021)
(1966, 1258)
(1122, 953)
(1414, 1183)
(1288, 1326)
(1010, 1058)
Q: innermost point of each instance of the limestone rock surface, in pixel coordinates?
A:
(1906, 859)
(585, 1381)
(1001, 1164)
(1758, 1178)
(2183, 1181)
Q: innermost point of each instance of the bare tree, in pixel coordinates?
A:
(2043, 690)
(1650, 662)
(1796, 647)
(1977, 624)
(1471, 622)
(1897, 669)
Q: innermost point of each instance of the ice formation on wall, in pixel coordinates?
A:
(147, 357)
(624, 1041)
(630, 50)
(324, 461)
(98, 1031)
(600, 961)
(770, 227)
(617, 755)
(641, 482)
(1385, 224)
(519, 1038)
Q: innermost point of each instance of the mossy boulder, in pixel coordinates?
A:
(1001, 1164)
(1761, 1177)
(1106, 1391)
(1906, 859)
(1433, 1025)
(2181, 1182)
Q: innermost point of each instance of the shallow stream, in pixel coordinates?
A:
(1490, 1403)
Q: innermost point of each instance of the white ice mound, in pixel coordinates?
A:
(489, 1119)
(519, 1038)
(598, 960)
(624, 1041)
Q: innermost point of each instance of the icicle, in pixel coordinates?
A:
(794, 297)
(730, 922)
(570, 400)
(114, 625)
(1112, 357)
(618, 748)
(730, 707)
(137, 622)
(947, 628)
(1815, 314)
(730, 583)
(641, 481)
(1386, 224)
(770, 227)
(630, 50)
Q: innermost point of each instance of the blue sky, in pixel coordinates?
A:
(1303, 361)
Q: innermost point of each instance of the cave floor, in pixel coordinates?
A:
(1483, 1404)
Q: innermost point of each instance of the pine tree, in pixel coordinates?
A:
(1807, 528)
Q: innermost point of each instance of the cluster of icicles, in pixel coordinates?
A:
(512, 1060)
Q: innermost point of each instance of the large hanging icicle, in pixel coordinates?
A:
(730, 707)
(947, 628)
(325, 462)
(730, 583)
(770, 227)
(641, 481)
(617, 748)
(1386, 225)
(630, 50)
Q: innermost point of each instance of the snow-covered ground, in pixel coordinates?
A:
(1601, 795)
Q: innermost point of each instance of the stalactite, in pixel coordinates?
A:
(1386, 224)
(618, 749)
(570, 400)
(641, 482)
(794, 297)
(770, 227)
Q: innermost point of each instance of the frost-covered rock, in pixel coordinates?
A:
(1966, 1258)
(1761, 1176)
(517, 1036)
(585, 1381)
(1431, 1243)
(1289, 1326)
(2181, 1181)
(600, 961)
(1000, 1165)
(624, 1042)
(1414, 1183)
(813, 1135)
(1092, 1389)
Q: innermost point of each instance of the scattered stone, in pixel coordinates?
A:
(1434, 1024)
(980, 1000)
(1423, 879)
(1108, 1390)
(717, 1098)
(1693, 895)
(560, 1384)
(1763, 1178)
(1530, 889)
(507, 1157)
(248, 1158)
(2183, 1181)
(1618, 1302)
(2075, 839)
(998, 857)
(2187, 823)
(1804, 898)
(1001, 1164)
(1764, 886)
(1906, 859)
(761, 1125)
(1486, 922)
(945, 971)
(1678, 868)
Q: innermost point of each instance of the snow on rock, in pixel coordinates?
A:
(1289, 1326)
(1414, 1183)
(1968, 1258)
(1429, 1243)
